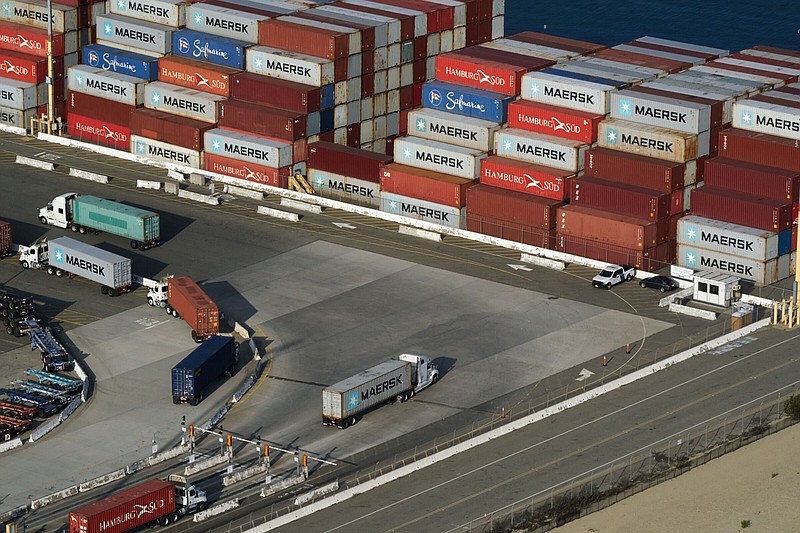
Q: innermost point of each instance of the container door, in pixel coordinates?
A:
(152, 228)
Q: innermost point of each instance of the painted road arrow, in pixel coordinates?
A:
(343, 225)
(520, 267)
(584, 375)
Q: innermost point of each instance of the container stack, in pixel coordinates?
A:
(23, 55)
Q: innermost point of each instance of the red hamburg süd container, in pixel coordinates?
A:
(194, 74)
(483, 74)
(501, 204)
(527, 178)
(735, 207)
(347, 161)
(611, 228)
(29, 40)
(260, 119)
(512, 231)
(624, 199)
(274, 177)
(126, 509)
(25, 67)
(553, 41)
(169, 128)
(554, 120)
(760, 148)
(427, 185)
(275, 92)
(642, 60)
(648, 172)
(87, 105)
(99, 131)
(751, 179)
(610, 253)
(194, 306)
(302, 38)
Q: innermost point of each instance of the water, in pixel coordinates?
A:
(733, 25)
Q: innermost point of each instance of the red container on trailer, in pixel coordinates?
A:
(26, 67)
(99, 131)
(610, 253)
(194, 306)
(29, 40)
(554, 41)
(166, 127)
(621, 167)
(624, 199)
(484, 74)
(642, 60)
(554, 120)
(87, 105)
(752, 180)
(612, 228)
(347, 161)
(732, 206)
(126, 509)
(260, 119)
(525, 209)
(302, 38)
(246, 170)
(275, 92)
(760, 148)
(427, 185)
(512, 231)
(194, 74)
(528, 178)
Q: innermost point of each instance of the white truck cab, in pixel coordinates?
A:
(35, 255)
(58, 213)
(423, 371)
(157, 292)
(188, 498)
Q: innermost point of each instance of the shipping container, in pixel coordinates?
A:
(761, 272)
(182, 101)
(142, 227)
(33, 41)
(290, 66)
(87, 105)
(164, 152)
(266, 152)
(714, 106)
(404, 24)
(347, 161)
(197, 75)
(427, 185)
(536, 50)
(625, 199)
(169, 128)
(510, 230)
(438, 156)
(37, 13)
(215, 358)
(564, 154)
(731, 206)
(122, 510)
(260, 119)
(167, 12)
(224, 21)
(621, 72)
(29, 68)
(513, 206)
(768, 64)
(703, 51)
(185, 299)
(677, 113)
(528, 178)
(736, 85)
(764, 75)
(466, 101)
(752, 180)
(92, 130)
(318, 39)
(728, 238)
(648, 172)
(650, 259)
(612, 228)
(106, 84)
(442, 126)
(213, 49)
(565, 89)
(633, 58)
(564, 43)
(485, 74)
(650, 141)
(760, 148)
(5, 239)
(368, 389)
(782, 121)
(19, 95)
(110, 270)
(405, 206)
(251, 172)
(554, 120)
(275, 92)
(122, 30)
(16, 118)
(345, 189)
(658, 51)
(722, 97)
(121, 61)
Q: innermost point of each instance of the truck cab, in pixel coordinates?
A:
(58, 213)
(423, 371)
(35, 255)
(158, 292)
(188, 498)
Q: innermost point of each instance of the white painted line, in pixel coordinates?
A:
(520, 267)
(344, 225)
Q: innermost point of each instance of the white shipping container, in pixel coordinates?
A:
(289, 66)
(340, 92)
(459, 37)
(694, 60)
(566, 92)
(541, 149)
(366, 130)
(616, 75)
(720, 52)
(438, 156)
(443, 215)
(446, 41)
(498, 7)
(616, 67)
(746, 87)
(340, 116)
(106, 84)
(380, 58)
(167, 12)
(719, 94)
(16, 118)
(793, 263)
(119, 29)
(791, 97)
(650, 141)
(771, 55)
(243, 147)
(366, 108)
(379, 104)
(762, 272)
(353, 113)
(406, 75)
(724, 237)
(760, 66)
(393, 78)
(393, 55)
(392, 101)
(167, 153)
(446, 127)
(19, 95)
(660, 111)
(392, 124)
(353, 90)
(785, 269)
(182, 101)
(34, 13)
(224, 22)
(379, 127)
(346, 189)
(354, 66)
(767, 81)
(432, 46)
(498, 26)
(767, 118)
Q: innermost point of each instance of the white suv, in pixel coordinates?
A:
(613, 274)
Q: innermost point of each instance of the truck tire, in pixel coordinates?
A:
(43, 220)
(345, 423)
(74, 228)
(25, 264)
(51, 270)
(103, 289)
(82, 230)
(201, 506)
(163, 521)
(151, 302)
(135, 245)
(608, 286)
(10, 330)
(175, 313)
(435, 379)
(59, 273)
(168, 308)
(112, 292)
(194, 336)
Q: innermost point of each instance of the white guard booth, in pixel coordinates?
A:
(715, 288)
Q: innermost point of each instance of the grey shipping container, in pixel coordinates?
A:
(106, 268)
(366, 389)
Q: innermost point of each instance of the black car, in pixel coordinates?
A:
(662, 283)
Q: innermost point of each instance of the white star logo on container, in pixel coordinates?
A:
(156, 97)
(6, 9)
(108, 28)
(319, 180)
(121, 4)
(141, 147)
(421, 126)
(691, 234)
(257, 63)
(625, 107)
(198, 19)
(406, 153)
(535, 89)
(393, 205)
(79, 79)
(611, 135)
(59, 256)
(507, 145)
(216, 145)
(745, 117)
(691, 259)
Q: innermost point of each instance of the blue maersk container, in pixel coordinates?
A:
(204, 365)
(209, 48)
(466, 101)
(123, 61)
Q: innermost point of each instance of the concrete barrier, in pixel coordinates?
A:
(45, 165)
(137, 466)
(755, 300)
(85, 174)
(63, 415)
(542, 261)
(147, 184)
(692, 311)
(197, 197)
(241, 475)
(205, 464)
(277, 213)
(241, 191)
(216, 510)
(175, 174)
(60, 495)
(43, 430)
(167, 454)
(196, 179)
(421, 233)
(10, 444)
(102, 480)
(282, 485)
(300, 205)
(241, 330)
(14, 513)
(172, 187)
(15, 131)
(314, 494)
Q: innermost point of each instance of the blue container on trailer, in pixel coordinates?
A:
(326, 97)
(466, 101)
(123, 61)
(785, 242)
(203, 366)
(209, 48)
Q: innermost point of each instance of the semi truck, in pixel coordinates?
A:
(216, 357)
(152, 502)
(183, 298)
(391, 381)
(5, 239)
(66, 255)
(83, 213)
